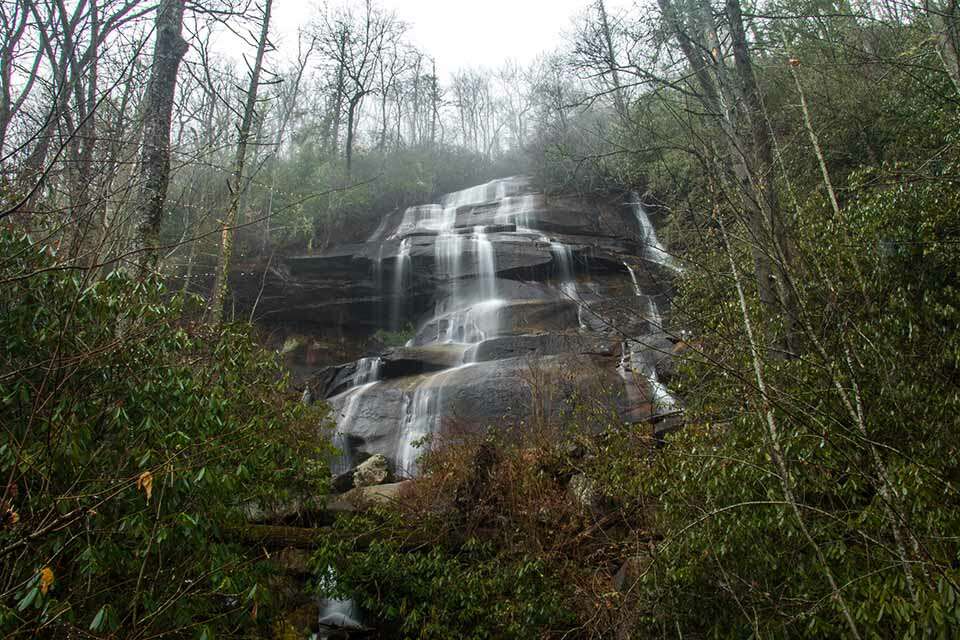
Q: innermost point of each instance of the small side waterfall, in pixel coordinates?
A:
(422, 416)
(336, 614)
(345, 407)
(654, 250)
(633, 277)
(632, 362)
(403, 264)
(563, 255)
(633, 367)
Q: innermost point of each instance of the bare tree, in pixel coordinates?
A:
(13, 23)
(356, 45)
(611, 61)
(237, 180)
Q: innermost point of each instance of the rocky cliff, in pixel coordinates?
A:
(509, 294)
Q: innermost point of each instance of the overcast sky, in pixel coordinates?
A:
(462, 33)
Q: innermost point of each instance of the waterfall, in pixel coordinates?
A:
(563, 257)
(345, 408)
(421, 218)
(525, 313)
(516, 210)
(471, 230)
(486, 265)
(633, 364)
(652, 313)
(633, 277)
(448, 251)
(470, 325)
(403, 261)
(653, 249)
(368, 370)
(421, 418)
(336, 613)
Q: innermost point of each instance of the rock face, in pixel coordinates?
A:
(517, 303)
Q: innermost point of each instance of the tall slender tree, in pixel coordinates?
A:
(237, 179)
(169, 50)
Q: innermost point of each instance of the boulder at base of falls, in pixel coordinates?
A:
(364, 497)
(373, 471)
(630, 572)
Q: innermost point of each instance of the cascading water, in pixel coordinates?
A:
(563, 256)
(419, 219)
(651, 314)
(403, 263)
(449, 256)
(633, 278)
(368, 370)
(486, 265)
(516, 210)
(654, 250)
(345, 407)
(633, 367)
(336, 614)
(470, 325)
(632, 362)
(470, 229)
(421, 418)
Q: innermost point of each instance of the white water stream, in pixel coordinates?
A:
(654, 250)
(634, 364)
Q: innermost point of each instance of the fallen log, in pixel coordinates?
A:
(277, 537)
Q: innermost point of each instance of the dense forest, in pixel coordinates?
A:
(168, 467)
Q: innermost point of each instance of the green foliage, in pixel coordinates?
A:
(395, 338)
(133, 443)
(473, 591)
(882, 311)
(315, 203)
(868, 411)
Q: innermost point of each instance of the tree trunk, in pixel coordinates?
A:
(434, 106)
(778, 244)
(169, 50)
(351, 127)
(237, 179)
(338, 101)
(943, 18)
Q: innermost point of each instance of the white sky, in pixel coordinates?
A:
(463, 33)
